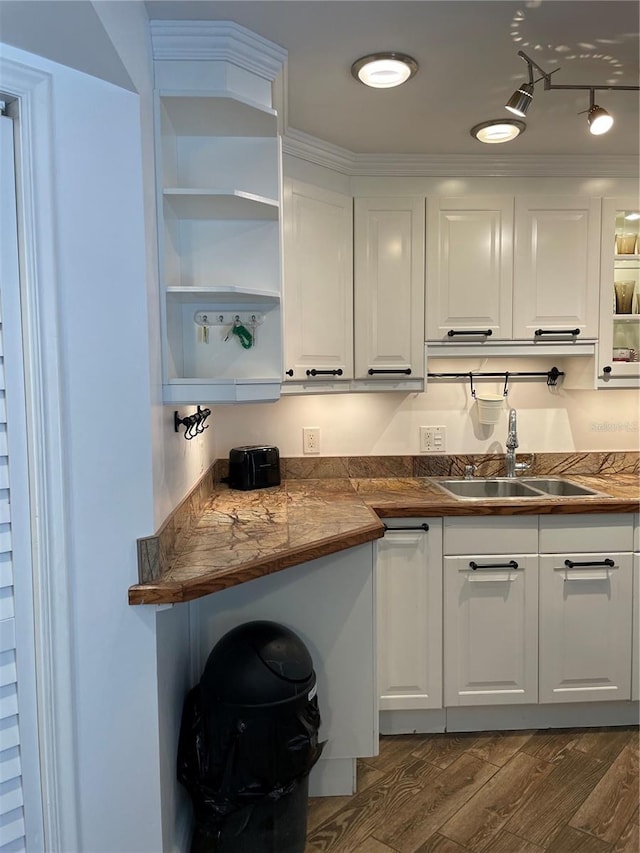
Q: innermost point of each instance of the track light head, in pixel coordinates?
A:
(519, 102)
(600, 121)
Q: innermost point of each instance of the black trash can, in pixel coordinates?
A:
(248, 739)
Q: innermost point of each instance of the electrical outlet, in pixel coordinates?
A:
(311, 439)
(433, 439)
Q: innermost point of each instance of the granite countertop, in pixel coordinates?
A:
(239, 536)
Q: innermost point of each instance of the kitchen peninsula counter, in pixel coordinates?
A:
(236, 536)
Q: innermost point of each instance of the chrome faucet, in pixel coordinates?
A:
(511, 466)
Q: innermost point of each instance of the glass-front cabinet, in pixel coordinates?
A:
(619, 350)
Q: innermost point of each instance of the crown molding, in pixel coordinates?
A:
(318, 151)
(217, 40)
(314, 150)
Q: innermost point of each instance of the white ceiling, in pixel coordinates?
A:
(467, 52)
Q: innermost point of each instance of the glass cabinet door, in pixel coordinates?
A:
(620, 294)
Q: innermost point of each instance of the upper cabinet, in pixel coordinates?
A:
(470, 268)
(318, 284)
(521, 269)
(389, 287)
(353, 291)
(219, 191)
(619, 337)
(556, 270)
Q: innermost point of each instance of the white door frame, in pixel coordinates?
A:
(32, 113)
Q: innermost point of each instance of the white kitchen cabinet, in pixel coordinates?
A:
(469, 268)
(389, 287)
(218, 185)
(490, 610)
(585, 608)
(520, 269)
(490, 629)
(346, 305)
(409, 621)
(318, 284)
(635, 624)
(619, 337)
(556, 266)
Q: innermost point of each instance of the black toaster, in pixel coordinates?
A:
(254, 467)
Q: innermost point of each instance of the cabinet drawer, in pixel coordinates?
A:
(484, 535)
(598, 532)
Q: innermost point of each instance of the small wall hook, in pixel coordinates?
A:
(193, 424)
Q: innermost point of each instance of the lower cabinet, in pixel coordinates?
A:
(490, 611)
(585, 627)
(585, 607)
(635, 643)
(409, 594)
(490, 629)
(517, 610)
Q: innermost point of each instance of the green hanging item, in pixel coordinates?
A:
(244, 335)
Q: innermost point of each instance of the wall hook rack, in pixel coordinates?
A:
(194, 424)
(551, 376)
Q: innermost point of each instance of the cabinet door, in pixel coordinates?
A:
(556, 265)
(469, 266)
(635, 644)
(389, 287)
(585, 627)
(409, 590)
(318, 283)
(490, 630)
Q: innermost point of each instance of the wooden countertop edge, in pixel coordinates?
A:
(433, 506)
(544, 506)
(175, 592)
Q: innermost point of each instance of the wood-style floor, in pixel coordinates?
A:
(561, 791)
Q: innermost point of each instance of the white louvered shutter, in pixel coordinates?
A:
(20, 795)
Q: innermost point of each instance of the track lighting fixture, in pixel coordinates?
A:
(384, 70)
(519, 102)
(598, 118)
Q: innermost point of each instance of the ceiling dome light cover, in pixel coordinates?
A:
(599, 120)
(520, 101)
(498, 130)
(384, 70)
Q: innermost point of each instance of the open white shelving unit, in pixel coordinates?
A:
(218, 160)
(619, 364)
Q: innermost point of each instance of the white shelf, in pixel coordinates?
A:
(219, 204)
(626, 258)
(195, 114)
(221, 390)
(221, 295)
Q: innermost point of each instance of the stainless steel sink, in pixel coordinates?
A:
(487, 489)
(499, 488)
(558, 487)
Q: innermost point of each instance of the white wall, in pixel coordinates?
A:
(177, 463)
(387, 423)
(97, 218)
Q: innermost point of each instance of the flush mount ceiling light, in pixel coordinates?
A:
(384, 70)
(633, 215)
(598, 118)
(498, 130)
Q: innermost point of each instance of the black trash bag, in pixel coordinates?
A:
(227, 761)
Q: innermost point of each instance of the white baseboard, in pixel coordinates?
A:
(571, 715)
(333, 777)
(510, 718)
(412, 722)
